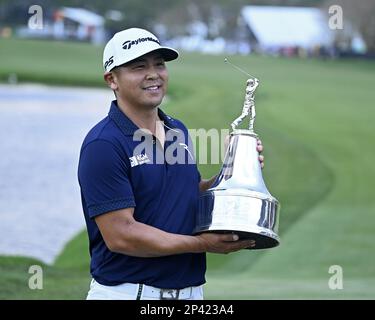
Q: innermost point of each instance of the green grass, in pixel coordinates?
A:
(50, 62)
(315, 120)
(68, 278)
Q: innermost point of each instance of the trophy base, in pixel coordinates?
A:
(251, 215)
(261, 241)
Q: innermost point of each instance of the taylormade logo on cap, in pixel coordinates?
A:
(131, 44)
(128, 44)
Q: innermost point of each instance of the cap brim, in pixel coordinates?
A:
(167, 53)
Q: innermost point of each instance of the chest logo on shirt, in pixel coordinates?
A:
(138, 160)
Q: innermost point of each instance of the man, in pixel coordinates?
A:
(140, 213)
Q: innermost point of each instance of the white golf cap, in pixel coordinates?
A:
(131, 44)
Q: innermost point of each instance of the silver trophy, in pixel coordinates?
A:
(239, 202)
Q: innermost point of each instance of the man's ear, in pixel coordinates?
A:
(110, 79)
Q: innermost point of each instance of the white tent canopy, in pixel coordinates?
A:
(287, 26)
(83, 16)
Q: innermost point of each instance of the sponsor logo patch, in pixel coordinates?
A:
(138, 160)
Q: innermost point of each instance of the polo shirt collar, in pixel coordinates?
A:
(127, 126)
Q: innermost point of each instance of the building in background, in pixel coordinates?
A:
(291, 30)
(279, 29)
(79, 24)
(69, 24)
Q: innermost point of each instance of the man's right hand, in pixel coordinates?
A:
(123, 234)
(223, 243)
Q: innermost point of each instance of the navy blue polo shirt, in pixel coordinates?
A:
(121, 167)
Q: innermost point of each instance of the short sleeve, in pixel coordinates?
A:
(103, 178)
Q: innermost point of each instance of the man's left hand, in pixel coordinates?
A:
(260, 150)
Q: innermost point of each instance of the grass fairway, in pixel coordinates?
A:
(315, 120)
